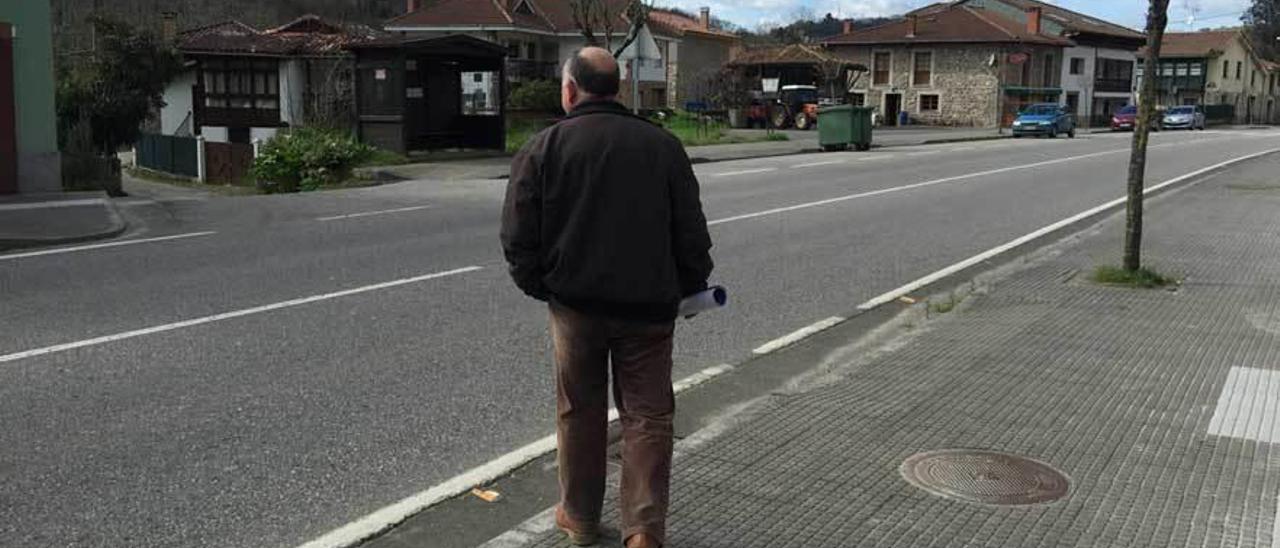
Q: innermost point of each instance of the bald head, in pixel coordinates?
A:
(591, 73)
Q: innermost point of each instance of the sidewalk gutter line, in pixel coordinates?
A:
(52, 204)
(388, 517)
(985, 255)
(102, 246)
(118, 227)
(227, 315)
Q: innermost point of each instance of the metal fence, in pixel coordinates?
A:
(169, 154)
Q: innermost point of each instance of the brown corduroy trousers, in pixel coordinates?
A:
(640, 354)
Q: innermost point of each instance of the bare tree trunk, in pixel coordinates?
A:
(1157, 18)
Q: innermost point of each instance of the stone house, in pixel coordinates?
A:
(955, 65)
(1218, 67)
(541, 34)
(1097, 69)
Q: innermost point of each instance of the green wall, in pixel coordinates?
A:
(33, 65)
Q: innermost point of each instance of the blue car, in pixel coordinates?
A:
(1048, 119)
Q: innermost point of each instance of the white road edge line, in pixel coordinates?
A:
(119, 243)
(371, 213)
(957, 267)
(797, 335)
(816, 164)
(933, 182)
(228, 315)
(744, 172)
(387, 517)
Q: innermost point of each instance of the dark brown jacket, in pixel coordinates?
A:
(602, 215)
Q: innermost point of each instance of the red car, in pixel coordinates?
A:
(1126, 119)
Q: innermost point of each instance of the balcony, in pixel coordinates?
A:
(525, 69)
(1120, 85)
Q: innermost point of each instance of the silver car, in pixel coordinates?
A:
(1184, 117)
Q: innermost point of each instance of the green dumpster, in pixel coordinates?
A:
(842, 125)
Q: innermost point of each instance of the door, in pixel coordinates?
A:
(1073, 102)
(8, 116)
(892, 106)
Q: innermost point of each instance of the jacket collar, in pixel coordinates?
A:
(607, 106)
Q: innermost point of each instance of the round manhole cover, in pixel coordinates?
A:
(985, 477)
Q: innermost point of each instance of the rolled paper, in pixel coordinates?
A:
(711, 298)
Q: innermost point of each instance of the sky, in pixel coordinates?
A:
(752, 14)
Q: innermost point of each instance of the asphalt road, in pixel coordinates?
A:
(217, 390)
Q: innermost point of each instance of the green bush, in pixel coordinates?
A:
(306, 159)
(540, 95)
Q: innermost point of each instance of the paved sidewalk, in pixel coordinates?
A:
(50, 219)
(1160, 406)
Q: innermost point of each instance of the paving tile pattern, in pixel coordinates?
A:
(1115, 387)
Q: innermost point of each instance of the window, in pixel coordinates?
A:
(513, 50)
(1049, 71)
(858, 99)
(880, 68)
(1239, 66)
(1253, 78)
(1226, 66)
(1196, 69)
(480, 93)
(1077, 65)
(923, 73)
(929, 102)
(1166, 69)
(1181, 69)
(524, 8)
(241, 83)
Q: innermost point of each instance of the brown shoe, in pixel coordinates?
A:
(579, 534)
(641, 540)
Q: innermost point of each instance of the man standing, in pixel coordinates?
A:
(602, 220)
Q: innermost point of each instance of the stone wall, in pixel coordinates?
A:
(964, 83)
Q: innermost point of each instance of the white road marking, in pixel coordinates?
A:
(957, 267)
(797, 335)
(816, 164)
(958, 149)
(1248, 405)
(56, 251)
(51, 204)
(933, 182)
(387, 517)
(228, 315)
(744, 172)
(371, 213)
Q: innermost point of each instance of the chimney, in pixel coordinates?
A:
(848, 26)
(169, 26)
(411, 6)
(704, 17)
(911, 25)
(1033, 20)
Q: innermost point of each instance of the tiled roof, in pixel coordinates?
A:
(1195, 44)
(306, 35)
(677, 23)
(795, 54)
(1077, 22)
(554, 16)
(955, 23)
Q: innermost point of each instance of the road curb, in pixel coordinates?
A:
(118, 227)
(763, 373)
